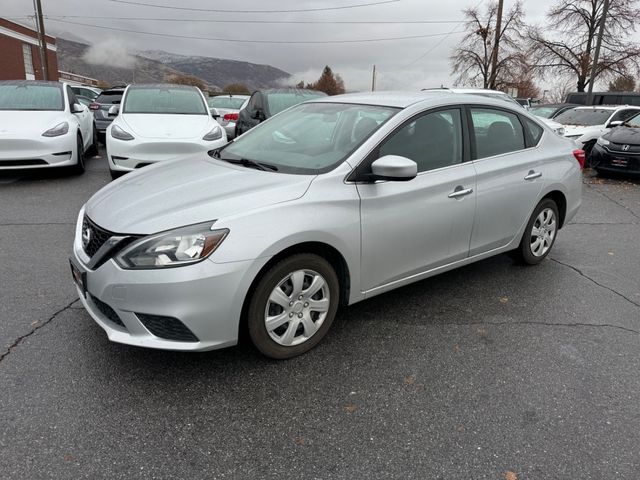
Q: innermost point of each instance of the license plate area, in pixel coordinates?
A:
(79, 278)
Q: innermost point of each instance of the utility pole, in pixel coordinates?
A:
(496, 45)
(596, 55)
(373, 80)
(42, 40)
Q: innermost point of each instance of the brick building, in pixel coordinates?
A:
(20, 55)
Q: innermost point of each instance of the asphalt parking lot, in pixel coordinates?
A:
(492, 371)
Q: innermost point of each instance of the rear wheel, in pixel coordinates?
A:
(540, 233)
(293, 306)
(78, 168)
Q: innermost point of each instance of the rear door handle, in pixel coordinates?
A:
(533, 175)
(460, 192)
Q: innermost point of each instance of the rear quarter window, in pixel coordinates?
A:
(535, 131)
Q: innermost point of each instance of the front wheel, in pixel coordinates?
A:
(78, 168)
(540, 233)
(293, 306)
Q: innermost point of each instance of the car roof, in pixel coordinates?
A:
(404, 99)
(607, 107)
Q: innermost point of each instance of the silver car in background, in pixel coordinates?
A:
(225, 109)
(326, 204)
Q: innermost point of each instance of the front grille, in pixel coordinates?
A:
(107, 311)
(23, 163)
(168, 328)
(618, 147)
(97, 236)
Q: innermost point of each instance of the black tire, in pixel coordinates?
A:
(93, 149)
(524, 253)
(588, 147)
(78, 168)
(102, 138)
(258, 304)
(115, 174)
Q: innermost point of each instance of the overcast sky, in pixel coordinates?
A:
(398, 62)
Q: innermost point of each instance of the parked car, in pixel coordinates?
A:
(158, 123)
(225, 109)
(551, 110)
(328, 203)
(85, 91)
(264, 104)
(586, 124)
(100, 108)
(605, 98)
(498, 95)
(42, 125)
(619, 149)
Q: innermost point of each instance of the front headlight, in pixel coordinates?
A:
(602, 142)
(560, 131)
(120, 134)
(174, 248)
(214, 134)
(60, 129)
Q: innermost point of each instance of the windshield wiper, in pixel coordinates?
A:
(245, 162)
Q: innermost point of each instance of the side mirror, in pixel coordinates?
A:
(77, 108)
(114, 110)
(615, 123)
(393, 168)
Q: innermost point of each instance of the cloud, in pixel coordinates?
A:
(110, 52)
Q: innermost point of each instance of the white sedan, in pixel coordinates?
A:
(43, 125)
(159, 123)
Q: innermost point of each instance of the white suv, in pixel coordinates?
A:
(586, 124)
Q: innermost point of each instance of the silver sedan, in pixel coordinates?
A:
(326, 204)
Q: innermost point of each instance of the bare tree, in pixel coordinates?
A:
(567, 42)
(558, 89)
(473, 57)
(622, 84)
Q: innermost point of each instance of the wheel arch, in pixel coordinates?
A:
(561, 201)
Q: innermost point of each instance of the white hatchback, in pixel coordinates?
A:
(43, 125)
(158, 123)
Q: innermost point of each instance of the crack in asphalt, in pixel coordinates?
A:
(580, 272)
(614, 201)
(19, 340)
(550, 324)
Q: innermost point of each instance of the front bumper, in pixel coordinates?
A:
(206, 298)
(125, 156)
(605, 160)
(41, 152)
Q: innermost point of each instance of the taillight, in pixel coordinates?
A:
(580, 157)
(231, 117)
(94, 106)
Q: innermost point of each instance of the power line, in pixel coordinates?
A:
(293, 22)
(296, 10)
(237, 40)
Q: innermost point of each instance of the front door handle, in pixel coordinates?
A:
(460, 192)
(533, 175)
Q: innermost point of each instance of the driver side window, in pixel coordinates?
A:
(433, 140)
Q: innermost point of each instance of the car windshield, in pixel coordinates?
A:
(279, 101)
(25, 96)
(544, 112)
(164, 100)
(233, 103)
(633, 121)
(112, 97)
(584, 117)
(310, 138)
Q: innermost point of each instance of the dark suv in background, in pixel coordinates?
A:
(266, 103)
(100, 108)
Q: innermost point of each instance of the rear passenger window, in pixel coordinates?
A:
(535, 131)
(496, 132)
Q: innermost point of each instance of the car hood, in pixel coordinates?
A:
(624, 135)
(35, 123)
(166, 126)
(188, 191)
